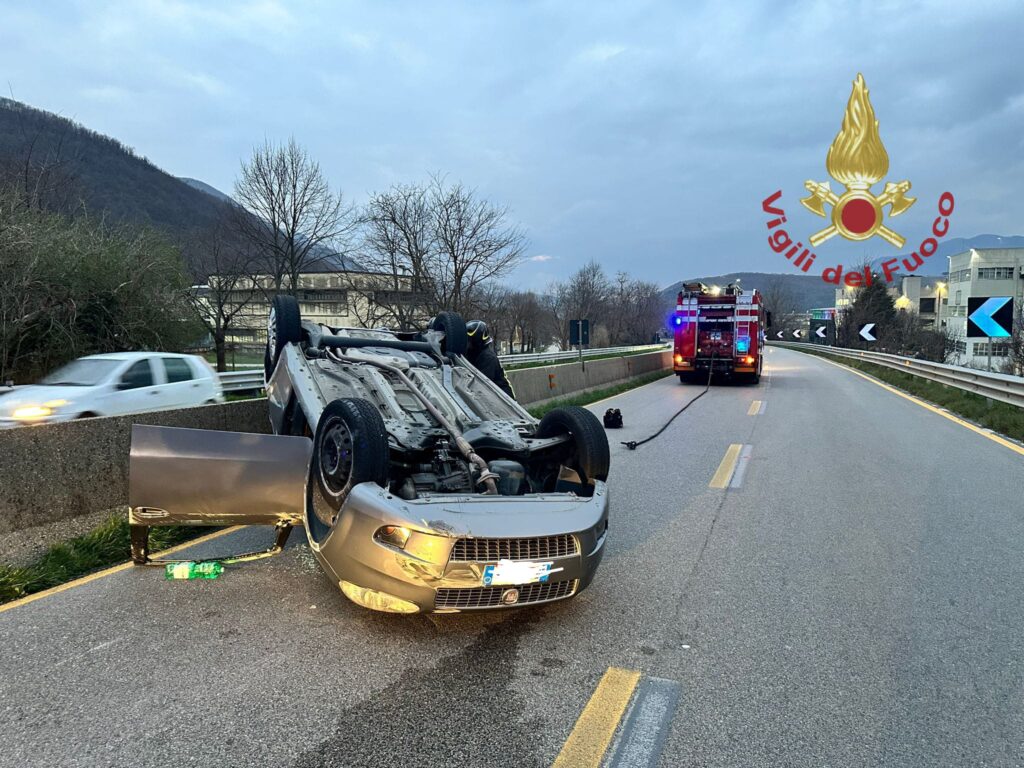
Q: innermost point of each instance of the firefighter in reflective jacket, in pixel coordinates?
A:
(481, 354)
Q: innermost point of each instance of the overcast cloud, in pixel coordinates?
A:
(643, 135)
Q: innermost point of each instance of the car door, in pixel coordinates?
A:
(138, 389)
(208, 477)
(182, 388)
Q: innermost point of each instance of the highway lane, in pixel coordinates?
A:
(854, 600)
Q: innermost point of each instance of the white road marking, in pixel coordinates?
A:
(647, 724)
(741, 467)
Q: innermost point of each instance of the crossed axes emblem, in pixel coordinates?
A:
(857, 214)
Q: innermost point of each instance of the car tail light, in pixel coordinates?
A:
(679, 359)
(748, 359)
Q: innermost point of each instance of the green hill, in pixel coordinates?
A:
(100, 173)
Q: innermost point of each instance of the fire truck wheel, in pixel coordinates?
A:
(687, 378)
(589, 454)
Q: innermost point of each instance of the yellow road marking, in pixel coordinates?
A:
(727, 467)
(754, 407)
(115, 569)
(593, 732)
(944, 414)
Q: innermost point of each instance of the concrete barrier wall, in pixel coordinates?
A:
(535, 385)
(63, 470)
(59, 471)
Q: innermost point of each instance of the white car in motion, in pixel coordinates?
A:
(111, 385)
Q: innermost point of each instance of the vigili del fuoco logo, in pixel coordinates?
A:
(857, 160)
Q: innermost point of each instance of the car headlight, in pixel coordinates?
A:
(32, 412)
(36, 412)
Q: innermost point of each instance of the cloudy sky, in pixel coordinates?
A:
(643, 135)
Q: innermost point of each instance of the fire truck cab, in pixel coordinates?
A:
(719, 331)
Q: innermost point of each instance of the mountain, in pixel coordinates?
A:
(802, 291)
(104, 175)
(202, 186)
(938, 263)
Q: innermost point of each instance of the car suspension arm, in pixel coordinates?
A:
(486, 476)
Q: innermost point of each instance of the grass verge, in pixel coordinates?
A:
(586, 398)
(102, 547)
(1002, 417)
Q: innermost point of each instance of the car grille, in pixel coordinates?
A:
(539, 548)
(490, 597)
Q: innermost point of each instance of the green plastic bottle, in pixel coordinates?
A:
(189, 570)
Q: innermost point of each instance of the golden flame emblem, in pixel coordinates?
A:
(857, 159)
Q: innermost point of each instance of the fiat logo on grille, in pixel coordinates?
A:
(510, 596)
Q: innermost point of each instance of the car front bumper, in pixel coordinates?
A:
(426, 575)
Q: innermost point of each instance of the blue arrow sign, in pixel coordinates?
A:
(983, 317)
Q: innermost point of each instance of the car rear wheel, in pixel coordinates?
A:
(350, 446)
(284, 326)
(456, 340)
(588, 454)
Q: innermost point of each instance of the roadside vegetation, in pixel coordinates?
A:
(102, 547)
(1001, 417)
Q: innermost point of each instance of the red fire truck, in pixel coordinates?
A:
(719, 330)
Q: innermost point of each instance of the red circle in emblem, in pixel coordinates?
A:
(858, 216)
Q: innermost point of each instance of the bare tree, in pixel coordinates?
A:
(780, 299)
(492, 306)
(291, 216)
(220, 267)
(425, 248)
(396, 242)
(472, 243)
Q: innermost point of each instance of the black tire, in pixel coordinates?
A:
(687, 377)
(350, 446)
(456, 340)
(590, 456)
(284, 326)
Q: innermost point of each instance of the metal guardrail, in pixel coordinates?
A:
(572, 354)
(996, 386)
(245, 380)
(251, 379)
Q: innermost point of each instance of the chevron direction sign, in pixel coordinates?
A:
(989, 317)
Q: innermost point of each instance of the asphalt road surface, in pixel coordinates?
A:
(852, 596)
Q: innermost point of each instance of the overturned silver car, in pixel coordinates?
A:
(420, 484)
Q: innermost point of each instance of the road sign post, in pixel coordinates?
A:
(579, 334)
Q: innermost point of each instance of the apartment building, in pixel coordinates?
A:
(981, 272)
(335, 291)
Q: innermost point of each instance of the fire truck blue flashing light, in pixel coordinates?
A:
(742, 345)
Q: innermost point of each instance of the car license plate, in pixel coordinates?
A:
(517, 572)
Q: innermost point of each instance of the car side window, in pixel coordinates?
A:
(177, 370)
(139, 375)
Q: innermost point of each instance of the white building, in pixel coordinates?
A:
(981, 272)
(921, 296)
